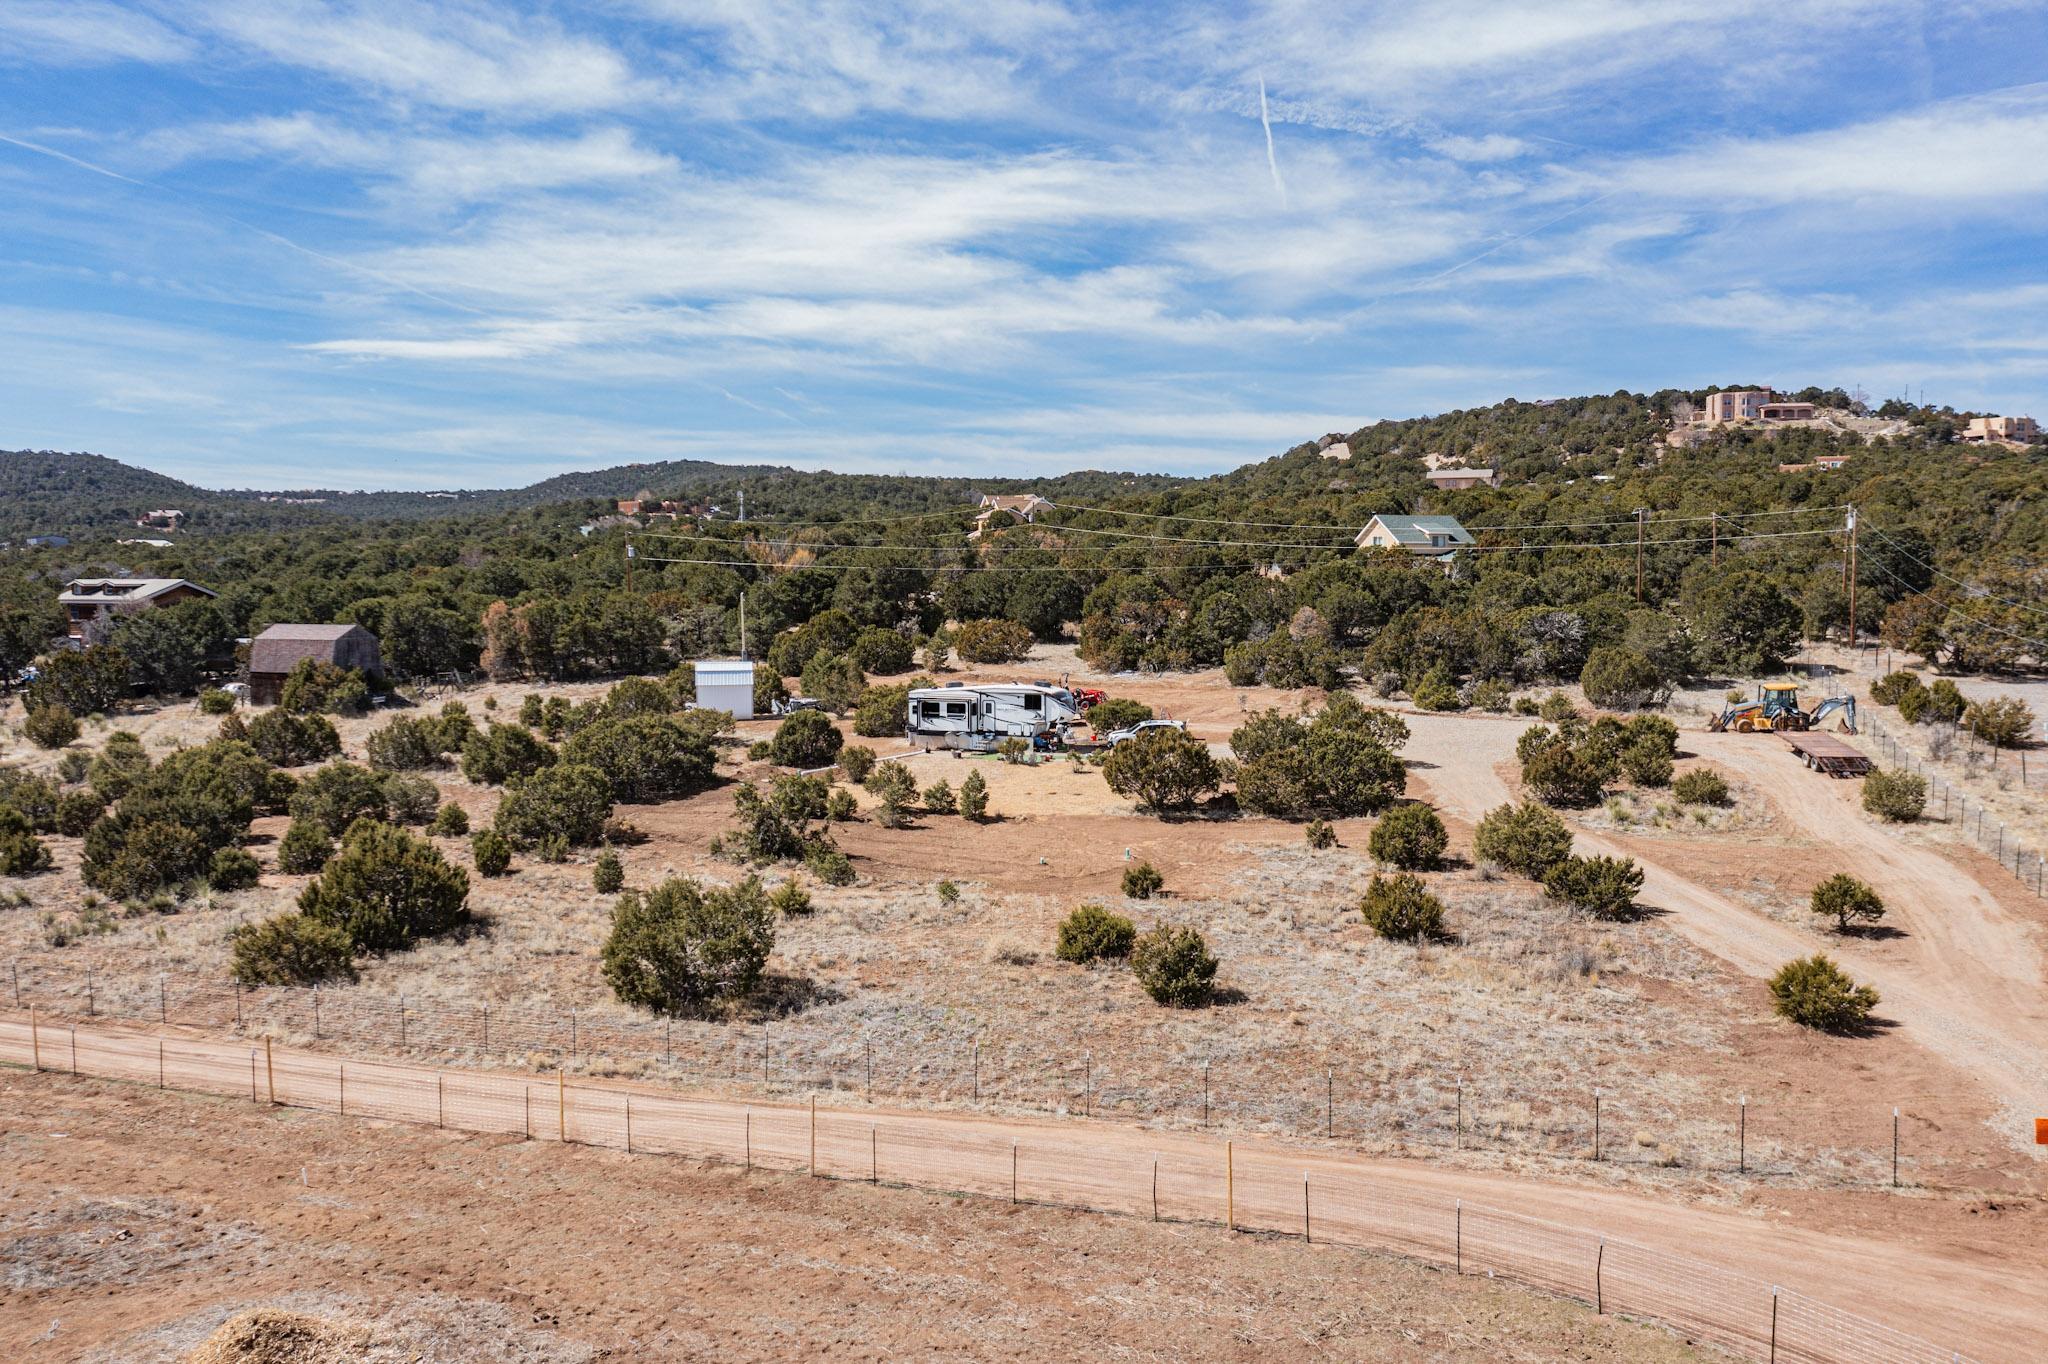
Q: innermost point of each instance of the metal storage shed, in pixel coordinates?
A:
(726, 684)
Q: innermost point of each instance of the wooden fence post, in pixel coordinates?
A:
(440, 1100)
(269, 1073)
(1230, 1186)
(35, 1042)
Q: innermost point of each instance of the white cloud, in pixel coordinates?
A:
(430, 168)
(1984, 148)
(84, 31)
(455, 54)
(1491, 147)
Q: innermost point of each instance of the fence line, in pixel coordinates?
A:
(1404, 1113)
(2027, 865)
(1177, 1179)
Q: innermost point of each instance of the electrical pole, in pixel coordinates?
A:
(629, 565)
(1850, 569)
(1641, 512)
(743, 625)
(743, 504)
(1714, 530)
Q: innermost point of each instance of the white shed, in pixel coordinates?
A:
(726, 684)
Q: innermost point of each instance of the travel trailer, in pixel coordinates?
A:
(979, 717)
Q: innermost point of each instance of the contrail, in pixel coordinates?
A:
(1272, 161)
(264, 232)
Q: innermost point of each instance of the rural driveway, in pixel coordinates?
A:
(1969, 989)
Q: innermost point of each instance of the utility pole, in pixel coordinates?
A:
(1641, 512)
(743, 625)
(629, 565)
(1714, 547)
(1850, 570)
(743, 504)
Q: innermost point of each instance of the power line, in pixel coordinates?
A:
(1963, 583)
(1354, 526)
(1169, 566)
(1955, 609)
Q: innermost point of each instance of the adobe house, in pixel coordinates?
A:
(1024, 506)
(274, 653)
(90, 604)
(1461, 478)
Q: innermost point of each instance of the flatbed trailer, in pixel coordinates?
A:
(1825, 753)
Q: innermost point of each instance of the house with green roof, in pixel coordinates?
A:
(1431, 536)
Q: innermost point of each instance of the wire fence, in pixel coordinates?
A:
(1414, 1111)
(1146, 1175)
(1951, 804)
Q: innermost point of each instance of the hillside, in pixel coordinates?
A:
(51, 492)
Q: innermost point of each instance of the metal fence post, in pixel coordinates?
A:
(1774, 1324)
(1742, 1136)
(1088, 1092)
(1459, 1235)
(35, 1042)
(1596, 1124)
(15, 967)
(1460, 1145)
(1329, 1104)
(1895, 1148)
(1205, 1093)
(88, 992)
(1599, 1289)
(1306, 1238)
(163, 1003)
(1155, 1188)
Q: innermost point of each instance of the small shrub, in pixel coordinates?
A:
(1320, 834)
(552, 849)
(1092, 933)
(1620, 679)
(451, 821)
(1815, 993)
(567, 800)
(1526, 838)
(78, 811)
(1119, 712)
(892, 785)
(856, 761)
(530, 710)
(292, 740)
(498, 754)
(1013, 749)
(1163, 769)
(411, 799)
(1410, 837)
(683, 948)
(1892, 687)
(973, 802)
(938, 798)
(1945, 704)
(992, 641)
(806, 739)
(1142, 881)
(1400, 907)
(1525, 705)
(214, 701)
(790, 898)
(406, 743)
(50, 726)
(949, 894)
(232, 869)
(1174, 966)
(72, 767)
(1701, 786)
(1895, 795)
(1557, 708)
(290, 949)
(339, 794)
(1844, 898)
(489, 853)
(840, 805)
(21, 852)
(1605, 887)
(2004, 722)
(828, 864)
(607, 874)
(1646, 764)
(304, 848)
(1438, 690)
(1491, 694)
(387, 889)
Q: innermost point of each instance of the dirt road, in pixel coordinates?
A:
(1968, 988)
(1702, 1267)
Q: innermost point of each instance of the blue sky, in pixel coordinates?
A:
(431, 243)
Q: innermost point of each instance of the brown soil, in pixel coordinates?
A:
(432, 1246)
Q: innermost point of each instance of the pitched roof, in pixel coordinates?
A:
(281, 648)
(1452, 474)
(1416, 530)
(124, 589)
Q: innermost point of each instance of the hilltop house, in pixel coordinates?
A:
(274, 653)
(1752, 404)
(2016, 430)
(1459, 479)
(90, 604)
(166, 519)
(1435, 537)
(1024, 506)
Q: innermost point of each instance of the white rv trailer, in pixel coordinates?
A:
(979, 717)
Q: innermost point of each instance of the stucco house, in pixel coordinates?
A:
(1427, 536)
(90, 604)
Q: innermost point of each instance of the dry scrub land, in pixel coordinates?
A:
(1509, 1027)
(134, 1224)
